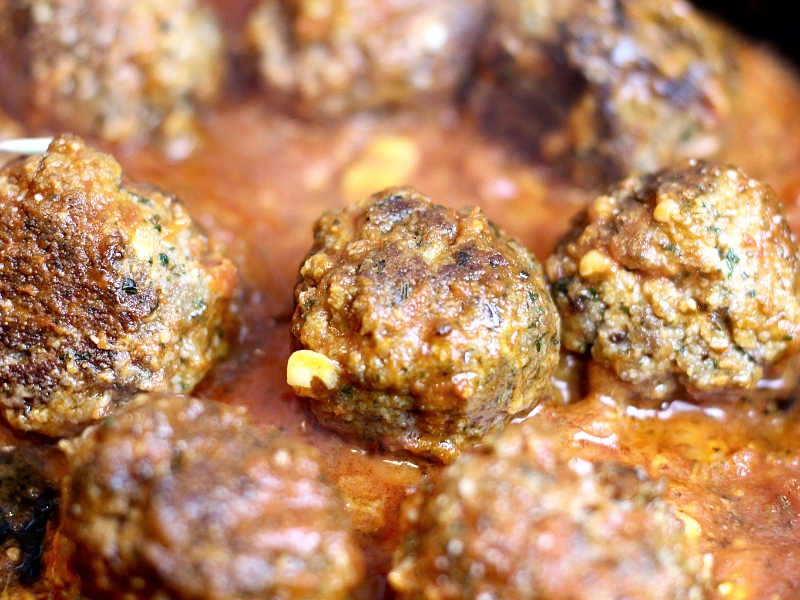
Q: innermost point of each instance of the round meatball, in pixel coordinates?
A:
(334, 57)
(178, 498)
(518, 519)
(116, 69)
(608, 87)
(436, 324)
(106, 288)
(688, 275)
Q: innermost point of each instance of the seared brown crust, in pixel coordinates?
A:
(689, 275)
(331, 58)
(520, 519)
(179, 498)
(440, 321)
(116, 69)
(610, 87)
(106, 288)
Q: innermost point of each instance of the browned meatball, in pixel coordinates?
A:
(518, 519)
(607, 87)
(117, 69)
(688, 275)
(106, 288)
(331, 57)
(178, 498)
(436, 325)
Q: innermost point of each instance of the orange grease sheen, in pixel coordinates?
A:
(261, 179)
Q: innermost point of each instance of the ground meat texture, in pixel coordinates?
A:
(117, 69)
(518, 519)
(331, 57)
(688, 275)
(607, 87)
(440, 323)
(106, 288)
(177, 498)
(28, 501)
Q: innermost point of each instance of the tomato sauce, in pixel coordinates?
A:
(261, 178)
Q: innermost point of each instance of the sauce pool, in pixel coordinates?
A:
(259, 181)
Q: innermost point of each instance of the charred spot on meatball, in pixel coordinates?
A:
(106, 288)
(686, 276)
(28, 501)
(603, 88)
(519, 518)
(185, 498)
(423, 328)
(114, 69)
(331, 58)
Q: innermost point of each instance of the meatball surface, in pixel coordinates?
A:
(518, 518)
(117, 69)
(609, 87)
(178, 498)
(688, 275)
(438, 323)
(106, 288)
(332, 57)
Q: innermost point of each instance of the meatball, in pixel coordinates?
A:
(179, 498)
(106, 288)
(608, 87)
(432, 326)
(687, 276)
(28, 500)
(115, 69)
(518, 519)
(331, 57)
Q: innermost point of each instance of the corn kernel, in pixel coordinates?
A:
(387, 161)
(306, 365)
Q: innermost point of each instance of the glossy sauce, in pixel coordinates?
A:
(261, 179)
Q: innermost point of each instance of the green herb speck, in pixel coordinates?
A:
(129, 286)
(731, 259)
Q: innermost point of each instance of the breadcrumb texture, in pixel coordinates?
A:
(330, 58)
(116, 69)
(178, 498)
(688, 275)
(440, 322)
(605, 88)
(519, 518)
(106, 288)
